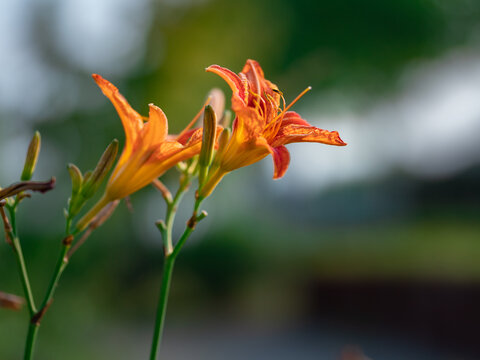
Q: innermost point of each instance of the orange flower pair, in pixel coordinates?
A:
(263, 125)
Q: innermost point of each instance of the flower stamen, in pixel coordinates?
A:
(297, 98)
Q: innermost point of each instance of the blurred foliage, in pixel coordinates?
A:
(259, 261)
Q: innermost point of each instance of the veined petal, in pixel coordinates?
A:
(192, 136)
(168, 154)
(281, 160)
(258, 84)
(142, 168)
(131, 120)
(280, 156)
(254, 74)
(291, 117)
(195, 137)
(156, 129)
(248, 124)
(236, 84)
(240, 153)
(301, 133)
(184, 137)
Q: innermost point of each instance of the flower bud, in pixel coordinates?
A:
(226, 119)
(222, 144)
(214, 176)
(104, 165)
(87, 176)
(31, 158)
(208, 142)
(76, 176)
(217, 101)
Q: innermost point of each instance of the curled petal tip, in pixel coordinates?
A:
(340, 142)
(98, 78)
(103, 83)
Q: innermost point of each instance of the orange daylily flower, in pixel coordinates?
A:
(148, 152)
(263, 124)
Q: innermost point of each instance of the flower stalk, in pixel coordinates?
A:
(171, 253)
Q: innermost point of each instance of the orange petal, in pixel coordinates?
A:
(255, 76)
(280, 156)
(257, 82)
(238, 86)
(248, 124)
(131, 120)
(281, 160)
(166, 156)
(301, 133)
(254, 67)
(291, 117)
(193, 136)
(183, 137)
(165, 150)
(156, 129)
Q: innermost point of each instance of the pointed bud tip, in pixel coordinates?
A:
(76, 177)
(93, 182)
(31, 158)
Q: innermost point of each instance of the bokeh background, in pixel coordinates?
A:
(374, 246)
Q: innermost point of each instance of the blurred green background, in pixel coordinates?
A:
(374, 245)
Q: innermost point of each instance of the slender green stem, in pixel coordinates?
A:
(36, 317)
(172, 212)
(31, 337)
(24, 275)
(62, 263)
(181, 241)
(11, 232)
(162, 305)
(164, 291)
(171, 254)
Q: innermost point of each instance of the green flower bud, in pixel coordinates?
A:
(93, 182)
(208, 142)
(76, 176)
(31, 158)
(87, 176)
(222, 144)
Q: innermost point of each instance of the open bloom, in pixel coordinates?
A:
(263, 124)
(148, 152)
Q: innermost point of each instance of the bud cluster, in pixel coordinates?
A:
(86, 185)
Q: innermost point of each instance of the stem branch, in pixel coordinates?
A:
(171, 254)
(14, 241)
